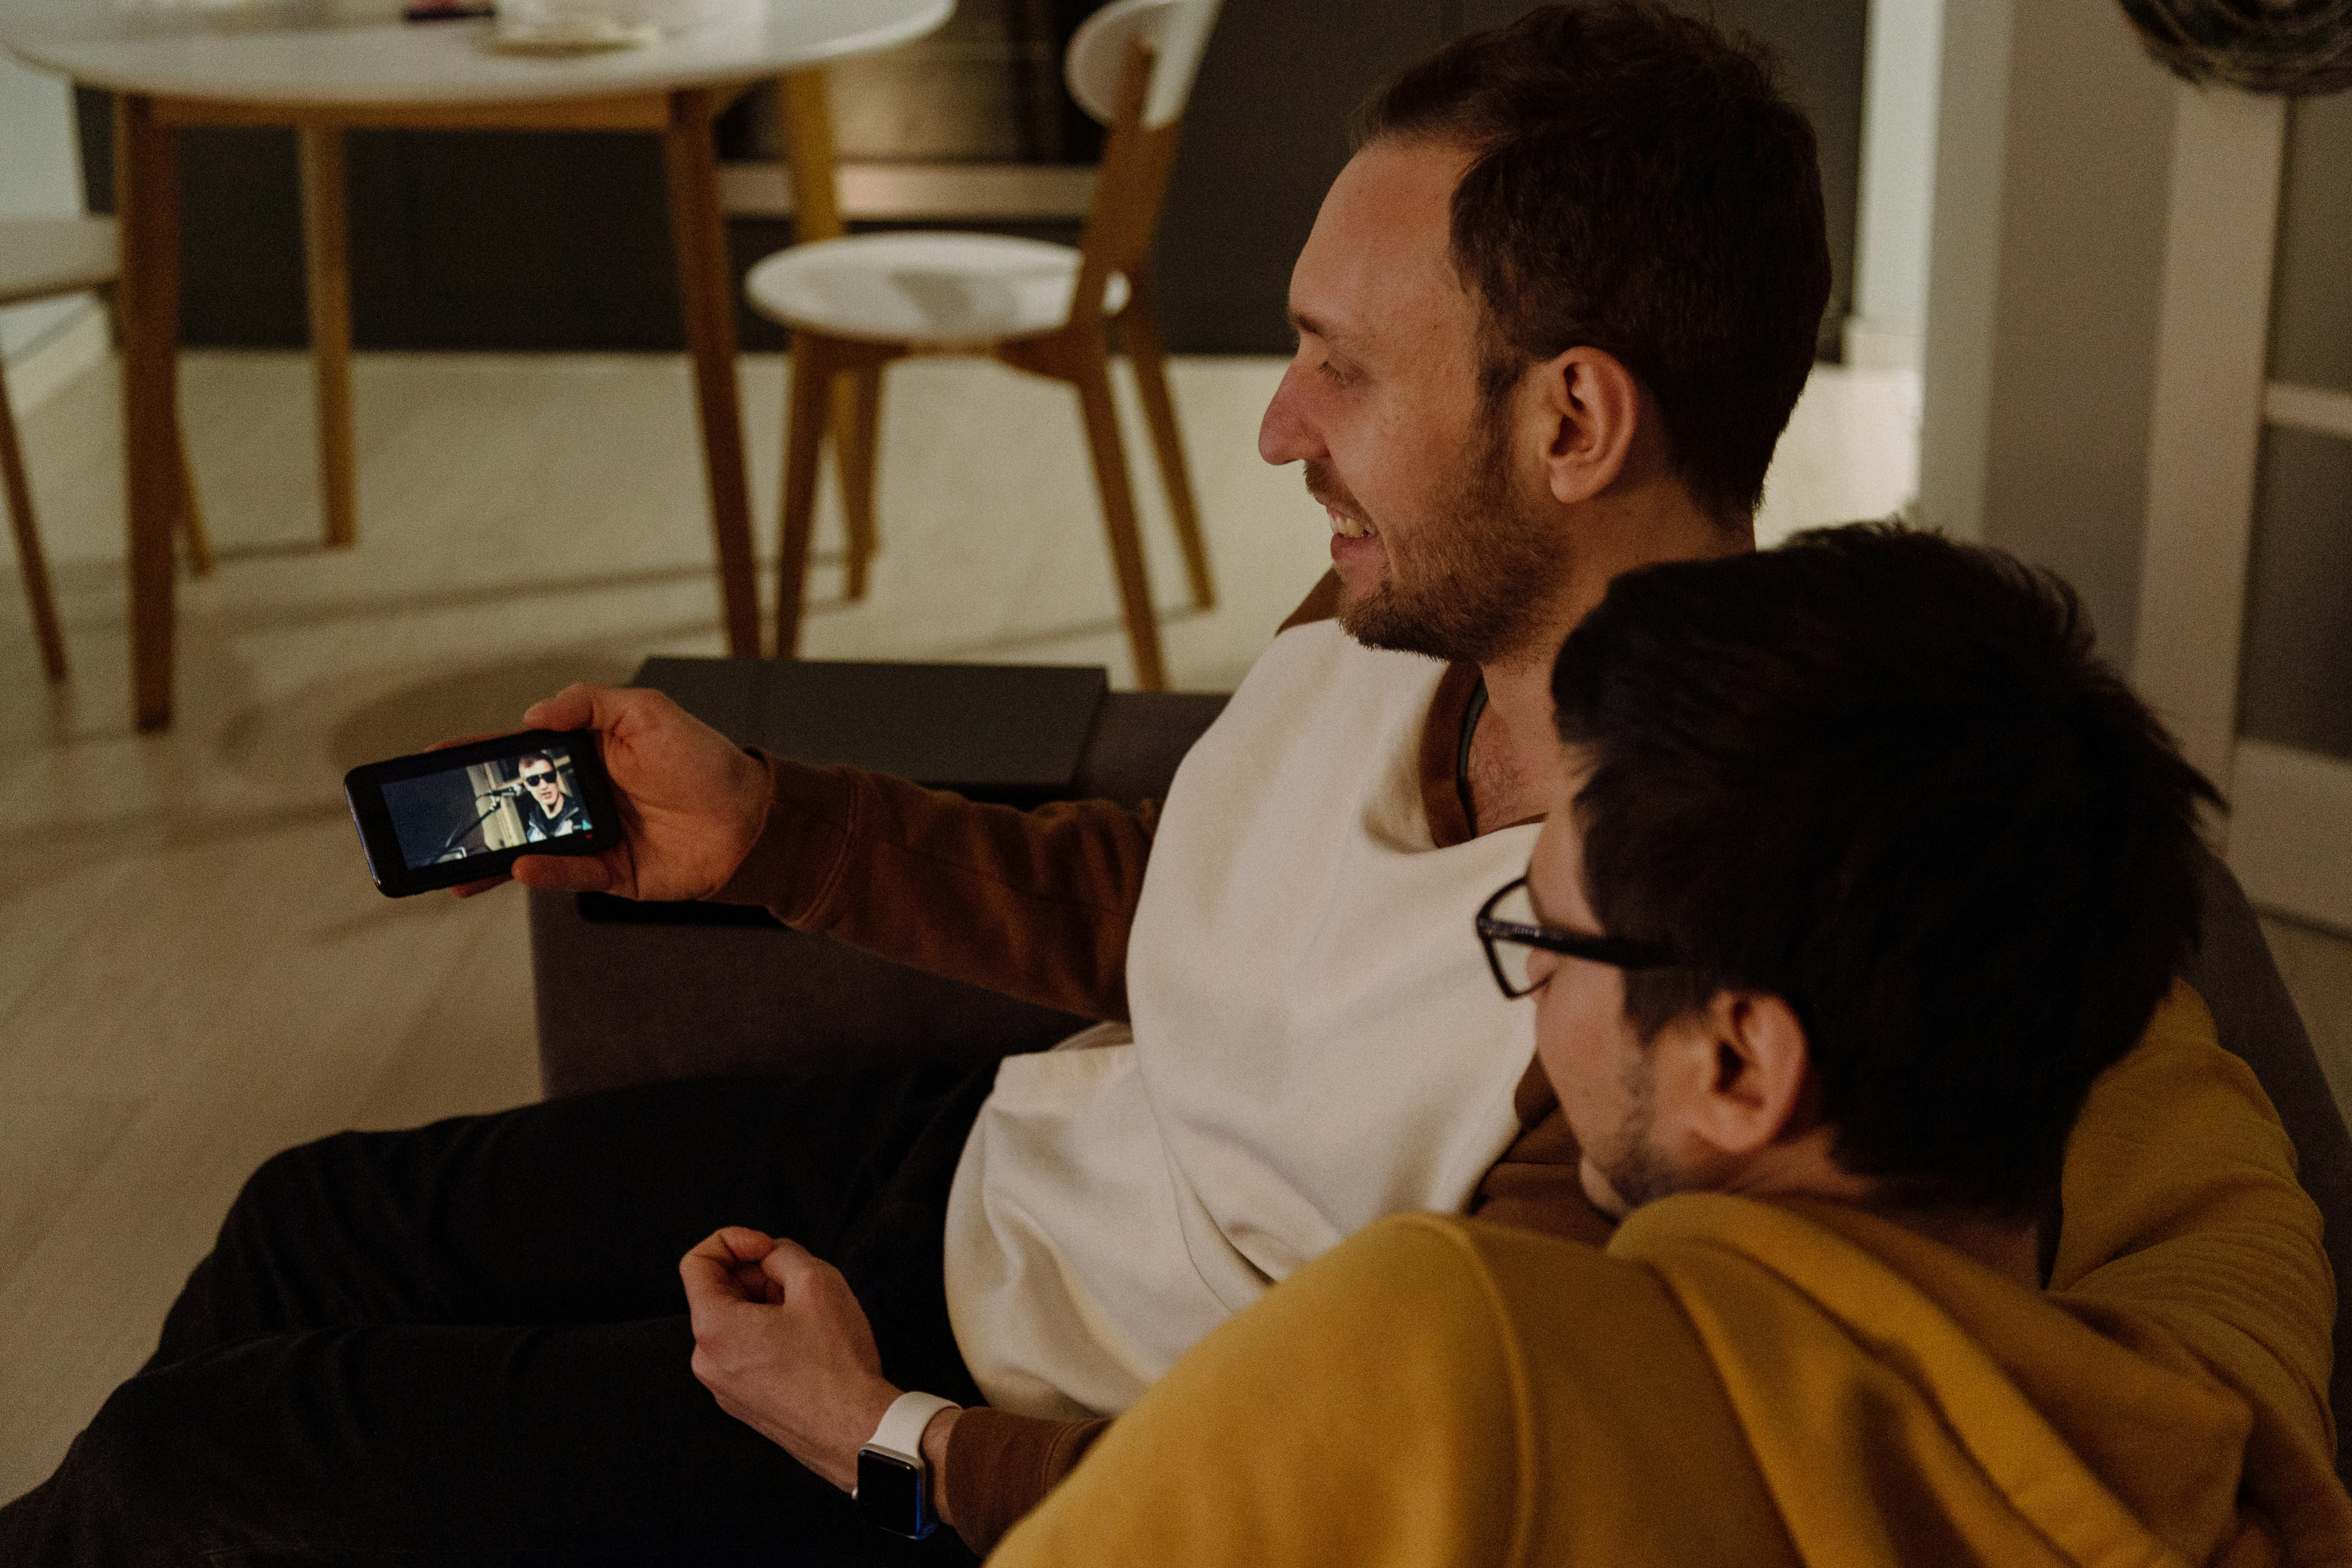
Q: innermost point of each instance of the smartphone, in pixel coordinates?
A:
(456, 816)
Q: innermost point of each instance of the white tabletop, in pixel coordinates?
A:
(332, 52)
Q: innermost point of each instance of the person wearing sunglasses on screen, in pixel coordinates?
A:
(550, 810)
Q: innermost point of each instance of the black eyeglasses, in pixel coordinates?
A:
(534, 778)
(1509, 928)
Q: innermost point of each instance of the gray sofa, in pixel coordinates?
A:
(624, 1003)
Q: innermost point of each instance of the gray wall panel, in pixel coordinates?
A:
(561, 242)
(2311, 309)
(1264, 135)
(1268, 132)
(2297, 686)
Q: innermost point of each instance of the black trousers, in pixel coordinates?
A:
(468, 1344)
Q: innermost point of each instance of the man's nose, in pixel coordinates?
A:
(1286, 435)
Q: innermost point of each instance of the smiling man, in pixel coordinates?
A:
(1862, 884)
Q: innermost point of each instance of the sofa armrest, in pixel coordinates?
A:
(2256, 1019)
(623, 1003)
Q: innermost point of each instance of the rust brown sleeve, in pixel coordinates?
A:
(1035, 904)
(1535, 1185)
(1000, 1466)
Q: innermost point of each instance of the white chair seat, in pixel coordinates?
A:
(923, 290)
(42, 256)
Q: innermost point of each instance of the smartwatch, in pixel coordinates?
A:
(894, 1487)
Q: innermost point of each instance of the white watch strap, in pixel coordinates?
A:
(901, 1432)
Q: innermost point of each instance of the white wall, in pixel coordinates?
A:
(40, 176)
(1900, 91)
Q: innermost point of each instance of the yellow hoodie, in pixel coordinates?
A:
(1738, 1382)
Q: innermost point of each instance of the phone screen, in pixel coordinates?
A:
(443, 817)
(480, 807)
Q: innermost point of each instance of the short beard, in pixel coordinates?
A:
(1637, 1171)
(1482, 574)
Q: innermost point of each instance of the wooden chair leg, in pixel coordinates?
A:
(191, 511)
(804, 421)
(856, 403)
(857, 442)
(807, 110)
(706, 296)
(1140, 329)
(1100, 413)
(29, 559)
(326, 256)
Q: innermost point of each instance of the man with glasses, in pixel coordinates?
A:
(1863, 882)
(556, 812)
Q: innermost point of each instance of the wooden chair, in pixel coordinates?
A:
(855, 304)
(39, 259)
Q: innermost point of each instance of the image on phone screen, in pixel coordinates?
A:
(480, 807)
(466, 812)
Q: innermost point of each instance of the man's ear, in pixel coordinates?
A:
(1742, 1078)
(1590, 410)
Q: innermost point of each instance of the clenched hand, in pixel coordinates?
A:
(786, 1348)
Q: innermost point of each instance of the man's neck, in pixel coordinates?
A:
(1515, 754)
(1802, 1167)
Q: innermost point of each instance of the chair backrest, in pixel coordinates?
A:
(1132, 65)
(42, 256)
(1175, 31)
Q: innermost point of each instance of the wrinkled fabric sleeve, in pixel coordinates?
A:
(2182, 1209)
(1362, 1415)
(1035, 904)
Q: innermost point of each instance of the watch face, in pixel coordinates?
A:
(890, 1493)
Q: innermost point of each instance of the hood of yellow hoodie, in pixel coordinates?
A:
(1905, 1401)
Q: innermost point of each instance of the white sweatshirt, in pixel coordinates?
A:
(1317, 1041)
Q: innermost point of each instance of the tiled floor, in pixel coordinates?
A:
(193, 970)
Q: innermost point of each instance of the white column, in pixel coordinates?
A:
(1964, 263)
(1899, 184)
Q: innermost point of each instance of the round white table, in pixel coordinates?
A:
(327, 66)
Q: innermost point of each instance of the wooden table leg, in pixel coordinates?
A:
(326, 256)
(147, 207)
(706, 286)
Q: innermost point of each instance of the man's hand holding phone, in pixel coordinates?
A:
(691, 803)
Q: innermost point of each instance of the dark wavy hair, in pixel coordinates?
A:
(1642, 186)
(1883, 777)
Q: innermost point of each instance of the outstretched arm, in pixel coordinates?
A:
(1035, 904)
